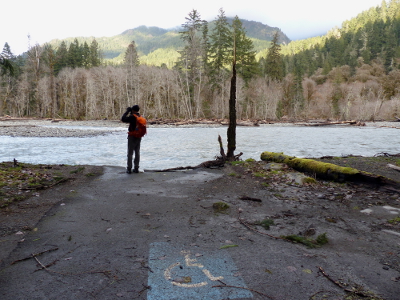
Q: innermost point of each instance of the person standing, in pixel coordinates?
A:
(137, 129)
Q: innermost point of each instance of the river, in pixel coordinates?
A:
(167, 147)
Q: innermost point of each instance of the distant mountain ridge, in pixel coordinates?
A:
(150, 39)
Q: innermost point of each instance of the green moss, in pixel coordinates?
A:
(321, 169)
(273, 156)
(309, 180)
(250, 160)
(80, 169)
(259, 174)
(394, 221)
(322, 239)
(237, 162)
(266, 223)
(220, 206)
(228, 246)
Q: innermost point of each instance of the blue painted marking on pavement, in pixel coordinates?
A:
(177, 273)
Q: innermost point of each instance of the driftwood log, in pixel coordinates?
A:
(330, 171)
(358, 123)
(394, 167)
(224, 122)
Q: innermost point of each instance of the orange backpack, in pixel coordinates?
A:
(140, 129)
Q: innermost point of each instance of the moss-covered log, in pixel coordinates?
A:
(326, 170)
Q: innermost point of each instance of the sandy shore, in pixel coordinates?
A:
(62, 128)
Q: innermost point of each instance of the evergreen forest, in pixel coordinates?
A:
(351, 73)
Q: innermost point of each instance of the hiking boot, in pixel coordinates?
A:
(136, 170)
(129, 171)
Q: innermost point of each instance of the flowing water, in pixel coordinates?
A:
(167, 147)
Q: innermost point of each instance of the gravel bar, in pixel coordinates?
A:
(19, 127)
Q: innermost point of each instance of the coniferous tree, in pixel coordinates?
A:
(273, 61)
(61, 57)
(6, 60)
(7, 53)
(220, 50)
(191, 61)
(389, 49)
(131, 63)
(246, 64)
(95, 54)
(131, 58)
(75, 55)
(85, 53)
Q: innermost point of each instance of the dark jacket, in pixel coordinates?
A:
(127, 117)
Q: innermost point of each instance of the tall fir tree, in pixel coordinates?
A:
(61, 57)
(191, 62)
(85, 53)
(75, 54)
(131, 58)
(246, 64)
(220, 50)
(274, 62)
(131, 63)
(6, 60)
(95, 54)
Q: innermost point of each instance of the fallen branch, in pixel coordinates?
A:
(46, 266)
(219, 161)
(394, 167)
(34, 255)
(255, 230)
(352, 291)
(329, 123)
(43, 266)
(207, 164)
(69, 274)
(250, 199)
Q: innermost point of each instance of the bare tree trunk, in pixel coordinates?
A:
(232, 114)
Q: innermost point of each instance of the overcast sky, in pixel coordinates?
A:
(45, 20)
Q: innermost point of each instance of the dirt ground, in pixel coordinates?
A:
(30, 191)
(361, 222)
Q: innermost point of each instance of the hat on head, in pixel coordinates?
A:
(135, 108)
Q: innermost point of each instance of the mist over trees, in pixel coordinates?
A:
(350, 73)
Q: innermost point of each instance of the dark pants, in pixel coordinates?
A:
(133, 146)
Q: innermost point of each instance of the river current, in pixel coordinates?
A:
(168, 147)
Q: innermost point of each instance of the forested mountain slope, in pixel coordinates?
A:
(159, 42)
(371, 37)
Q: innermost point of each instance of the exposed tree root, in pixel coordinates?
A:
(219, 161)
